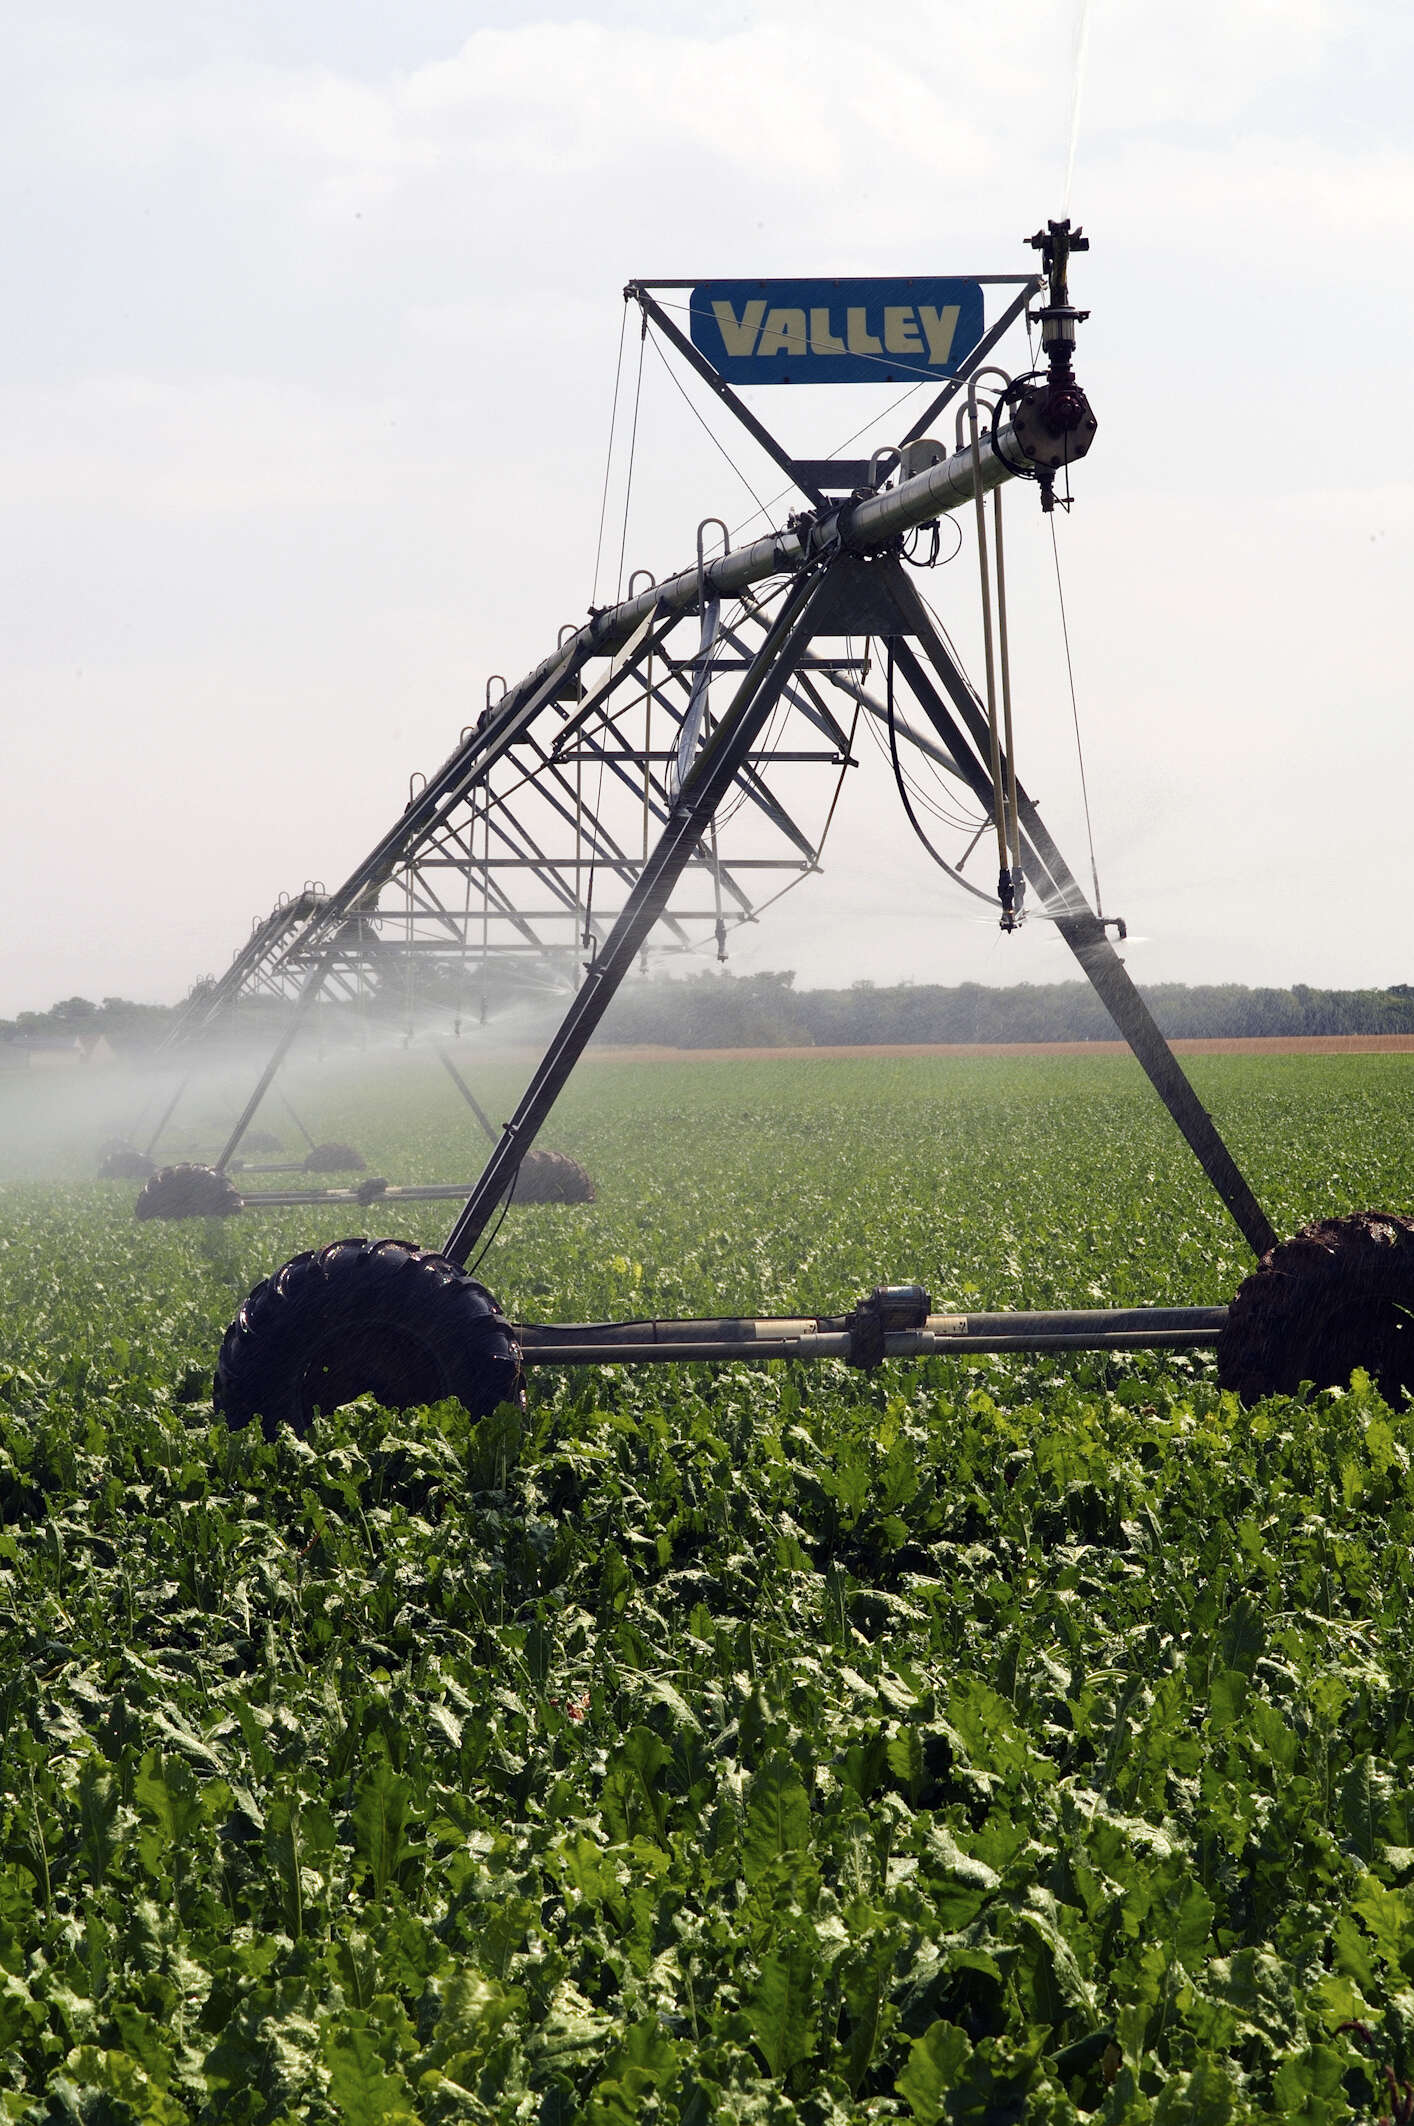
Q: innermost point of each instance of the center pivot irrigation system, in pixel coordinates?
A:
(513, 854)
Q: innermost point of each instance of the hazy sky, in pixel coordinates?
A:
(311, 333)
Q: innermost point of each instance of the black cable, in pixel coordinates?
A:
(1075, 719)
(1020, 472)
(930, 804)
(941, 861)
(506, 1202)
(935, 805)
(934, 561)
(1034, 913)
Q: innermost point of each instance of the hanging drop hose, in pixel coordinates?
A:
(410, 976)
(1006, 885)
(721, 926)
(1079, 747)
(1008, 743)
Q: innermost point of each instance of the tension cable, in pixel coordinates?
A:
(609, 456)
(1075, 719)
(632, 452)
(588, 930)
(763, 509)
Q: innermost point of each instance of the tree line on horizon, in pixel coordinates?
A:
(767, 1010)
(710, 1010)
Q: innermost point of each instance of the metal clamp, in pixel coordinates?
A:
(888, 1307)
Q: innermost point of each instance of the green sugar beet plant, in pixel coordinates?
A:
(1021, 1741)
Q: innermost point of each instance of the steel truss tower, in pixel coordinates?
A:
(659, 775)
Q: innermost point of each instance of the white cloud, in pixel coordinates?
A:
(199, 447)
(1330, 211)
(928, 120)
(304, 397)
(1200, 62)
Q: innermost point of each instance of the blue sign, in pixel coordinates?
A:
(836, 332)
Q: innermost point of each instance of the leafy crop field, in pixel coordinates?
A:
(1022, 1740)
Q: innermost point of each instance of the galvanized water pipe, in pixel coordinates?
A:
(862, 527)
(835, 1336)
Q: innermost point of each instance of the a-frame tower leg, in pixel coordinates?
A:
(814, 606)
(1050, 876)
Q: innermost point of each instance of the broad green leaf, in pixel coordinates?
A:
(1243, 1635)
(644, 2065)
(1227, 1699)
(471, 2011)
(780, 2007)
(363, 2090)
(633, 1800)
(118, 2076)
(866, 1982)
(936, 2063)
(1389, 1917)
(380, 1818)
(99, 1807)
(777, 1817)
(1307, 2084)
(167, 1789)
(906, 1760)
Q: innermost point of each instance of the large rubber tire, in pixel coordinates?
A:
(552, 1177)
(262, 1142)
(125, 1164)
(334, 1159)
(1337, 1295)
(187, 1191)
(364, 1317)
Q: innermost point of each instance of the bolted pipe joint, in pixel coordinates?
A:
(888, 1308)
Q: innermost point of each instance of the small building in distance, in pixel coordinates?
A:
(53, 1051)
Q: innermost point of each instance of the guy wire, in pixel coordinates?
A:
(609, 455)
(632, 452)
(1075, 719)
(763, 508)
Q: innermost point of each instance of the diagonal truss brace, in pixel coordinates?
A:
(703, 789)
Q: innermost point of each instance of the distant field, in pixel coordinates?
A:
(1022, 1740)
(1338, 1044)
